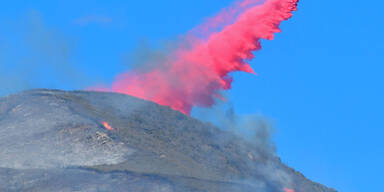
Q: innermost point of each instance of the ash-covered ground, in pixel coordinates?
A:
(53, 140)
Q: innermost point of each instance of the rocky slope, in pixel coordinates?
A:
(53, 140)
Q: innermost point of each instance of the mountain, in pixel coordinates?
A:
(52, 140)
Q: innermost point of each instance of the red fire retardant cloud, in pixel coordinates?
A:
(196, 72)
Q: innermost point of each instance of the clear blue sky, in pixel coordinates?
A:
(321, 79)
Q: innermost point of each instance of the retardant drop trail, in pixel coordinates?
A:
(194, 73)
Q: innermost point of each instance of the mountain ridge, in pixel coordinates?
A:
(147, 139)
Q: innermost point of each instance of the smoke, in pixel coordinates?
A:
(258, 130)
(145, 57)
(34, 53)
(196, 71)
(255, 128)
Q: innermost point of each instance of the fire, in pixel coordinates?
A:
(107, 126)
(197, 71)
(288, 190)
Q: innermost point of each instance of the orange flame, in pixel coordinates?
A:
(107, 126)
(288, 190)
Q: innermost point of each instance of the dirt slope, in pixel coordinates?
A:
(53, 140)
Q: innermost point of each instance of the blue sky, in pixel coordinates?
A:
(320, 80)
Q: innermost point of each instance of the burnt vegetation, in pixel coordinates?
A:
(52, 140)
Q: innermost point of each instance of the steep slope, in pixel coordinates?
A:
(53, 140)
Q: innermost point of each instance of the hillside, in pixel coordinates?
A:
(52, 140)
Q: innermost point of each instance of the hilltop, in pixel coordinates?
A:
(52, 140)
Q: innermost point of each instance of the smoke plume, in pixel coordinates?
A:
(199, 67)
(33, 52)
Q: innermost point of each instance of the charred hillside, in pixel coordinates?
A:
(53, 140)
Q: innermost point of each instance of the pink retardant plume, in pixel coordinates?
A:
(196, 72)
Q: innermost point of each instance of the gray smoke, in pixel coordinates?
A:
(36, 52)
(147, 56)
(258, 130)
(255, 128)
